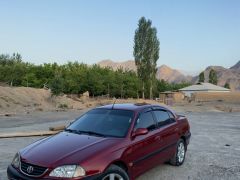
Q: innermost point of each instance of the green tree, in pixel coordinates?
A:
(154, 52)
(146, 53)
(163, 85)
(12, 69)
(201, 77)
(227, 85)
(94, 82)
(57, 84)
(213, 77)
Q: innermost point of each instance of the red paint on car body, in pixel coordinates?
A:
(95, 153)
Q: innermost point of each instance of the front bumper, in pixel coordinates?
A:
(14, 174)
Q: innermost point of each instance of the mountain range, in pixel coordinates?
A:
(225, 75)
(163, 72)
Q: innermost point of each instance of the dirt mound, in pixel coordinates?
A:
(24, 99)
(17, 99)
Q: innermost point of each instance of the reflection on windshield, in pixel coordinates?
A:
(103, 122)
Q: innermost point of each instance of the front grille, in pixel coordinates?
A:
(32, 170)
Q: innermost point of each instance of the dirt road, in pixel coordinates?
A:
(213, 153)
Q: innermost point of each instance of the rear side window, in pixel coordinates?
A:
(171, 115)
(162, 117)
(145, 121)
(172, 118)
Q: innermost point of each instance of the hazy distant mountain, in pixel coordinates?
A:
(163, 72)
(171, 75)
(236, 66)
(225, 75)
(126, 65)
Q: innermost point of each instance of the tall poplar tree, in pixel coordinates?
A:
(146, 53)
(201, 77)
(213, 77)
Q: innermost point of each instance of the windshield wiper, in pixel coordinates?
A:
(73, 131)
(85, 132)
(92, 133)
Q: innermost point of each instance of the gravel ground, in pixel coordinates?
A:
(213, 153)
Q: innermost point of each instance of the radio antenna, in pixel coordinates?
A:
(114, 102)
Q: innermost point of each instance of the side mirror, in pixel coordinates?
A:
(139, 132)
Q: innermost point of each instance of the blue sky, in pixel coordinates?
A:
(193, 34)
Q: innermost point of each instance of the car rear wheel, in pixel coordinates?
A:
(179, 156)
(115, 172)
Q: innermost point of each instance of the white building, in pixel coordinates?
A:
(202, 87)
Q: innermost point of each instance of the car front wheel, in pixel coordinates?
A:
(179, 157)
(115, 173)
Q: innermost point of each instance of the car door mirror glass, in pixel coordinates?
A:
(140, 131)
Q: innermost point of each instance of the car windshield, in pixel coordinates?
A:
(103, 122)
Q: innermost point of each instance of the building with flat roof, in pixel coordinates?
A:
(202, 87)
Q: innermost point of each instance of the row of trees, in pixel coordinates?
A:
(212, 78)
(77, 78)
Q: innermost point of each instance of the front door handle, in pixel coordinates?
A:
(158, 138)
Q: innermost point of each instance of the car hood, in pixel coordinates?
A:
(65, 148)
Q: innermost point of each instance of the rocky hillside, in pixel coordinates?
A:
(236, 66)
(163, 72)
(171, 75)
(225, 75)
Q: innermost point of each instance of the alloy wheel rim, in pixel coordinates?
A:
(113, 176)
(181, 152)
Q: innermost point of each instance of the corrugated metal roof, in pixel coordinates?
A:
(204, 87)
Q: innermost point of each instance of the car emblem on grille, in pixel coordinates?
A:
(30, 169)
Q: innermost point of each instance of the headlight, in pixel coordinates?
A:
(68, 171)
(16, 161)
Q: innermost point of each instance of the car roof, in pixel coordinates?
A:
(131, 106)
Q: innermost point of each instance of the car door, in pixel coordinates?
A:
(168, 133)
(142, 146)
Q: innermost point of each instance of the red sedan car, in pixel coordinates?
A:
(113, 142)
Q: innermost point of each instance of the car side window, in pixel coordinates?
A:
(162, 117)
(172, 118)
(145, 120)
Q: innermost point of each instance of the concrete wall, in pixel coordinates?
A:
(171, 97)
(189, 93)
(216, 96)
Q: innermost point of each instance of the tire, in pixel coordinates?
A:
(114, 172)
(179, 156)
